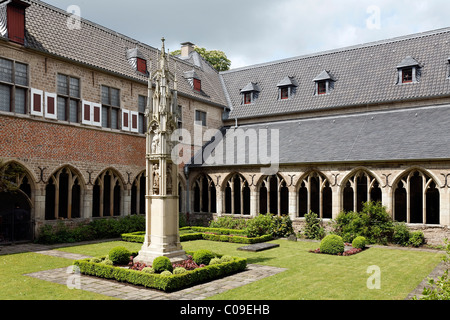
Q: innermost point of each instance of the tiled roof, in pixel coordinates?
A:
(406, 134)
(100, 47)
(363, 74)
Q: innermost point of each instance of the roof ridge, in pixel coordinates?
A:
(344, 49)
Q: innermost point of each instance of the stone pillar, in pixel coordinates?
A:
(219, 201)
(337, 201)
(253, 201)
(445, 206)
(87, 202)
(293, 211)
(387, 199)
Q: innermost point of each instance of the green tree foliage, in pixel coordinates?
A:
(218, 59)
(8, 177)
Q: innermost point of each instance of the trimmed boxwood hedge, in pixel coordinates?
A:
(156, 281)
(222, 236)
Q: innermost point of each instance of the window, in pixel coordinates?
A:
(16, 21)
(284, 93)
(322, 87)
(141, 65)
(13, 86)
(110, 107)
(68, 100)
(407, 75)
(200, 118)
(142, 106)
(180, 117)
(248, 97)
(197, 85)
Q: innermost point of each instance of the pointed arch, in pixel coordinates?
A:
(107, 194)
(138, 191)
(236, 193)
(204, 193)
(314, 194)
(359, 186)
(64, 194)
(273, 195)
(416, 197)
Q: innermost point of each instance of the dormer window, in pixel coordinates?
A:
(194, 80)
(12, 24)
(286, 88)
(250, 93)
(137, 60)
(408, 71)
(324, 83)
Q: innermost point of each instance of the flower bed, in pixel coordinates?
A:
(166, 281)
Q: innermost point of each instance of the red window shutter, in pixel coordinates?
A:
(141, 65)
(51, 105)
(96, 114)
(125, 120)
(87, 112)
(197, 85)
(16, 24)
(37, 107)
(134, 122)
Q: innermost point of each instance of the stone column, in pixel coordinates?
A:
(337, 201)
(253, 201)
(293, 211)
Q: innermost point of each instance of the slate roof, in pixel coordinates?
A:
(105, 49)
(406, 134)
(363, 74)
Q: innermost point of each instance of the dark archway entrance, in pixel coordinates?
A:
(15, 218)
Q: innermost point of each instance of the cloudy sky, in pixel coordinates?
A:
(257, 31)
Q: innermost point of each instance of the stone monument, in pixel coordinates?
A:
(162, 221)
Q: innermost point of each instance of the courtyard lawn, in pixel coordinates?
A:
(14, 285)
(313, 276)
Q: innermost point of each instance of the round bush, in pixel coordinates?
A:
(161, 264)
(179, 270)
(107, 262)
(226, 258)
(166, 273)
(203, 257)
(148, 270)
(417, 239)
(359, 243)
(215, 261)
(332, 244)
(119, 255)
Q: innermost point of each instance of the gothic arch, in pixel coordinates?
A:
(273, 195)
(107, 194)
(236, 194)
(64, 194)
(204, 193)
(359, 186)
(314, 194)
(416, 197)
(138, 191)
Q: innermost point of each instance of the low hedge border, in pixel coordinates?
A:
(156, 281)
(139, 237)
(221, 231)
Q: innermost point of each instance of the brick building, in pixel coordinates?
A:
(354, 124)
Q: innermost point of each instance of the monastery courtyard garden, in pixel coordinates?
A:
(376, 273)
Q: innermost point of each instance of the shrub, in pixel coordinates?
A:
(148, 270)
(107, 262)
(313, 230)
(260, 225)
(281, 226)
(226, 258)
(161, 264)
(119, 255)
(359, 243)
(179, 270)
(215, 261)
(229, 223)
(203, 257)
(373, 222)
(332, 244)
(166, 273)
(401, 234)
(417, 239)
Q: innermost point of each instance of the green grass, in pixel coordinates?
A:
(309, 276)
(14, 285)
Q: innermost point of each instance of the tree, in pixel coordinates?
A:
(8, 177)
(218, 59)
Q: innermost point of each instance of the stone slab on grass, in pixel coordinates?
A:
(259, 247)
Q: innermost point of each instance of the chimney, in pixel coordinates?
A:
(186, 49)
